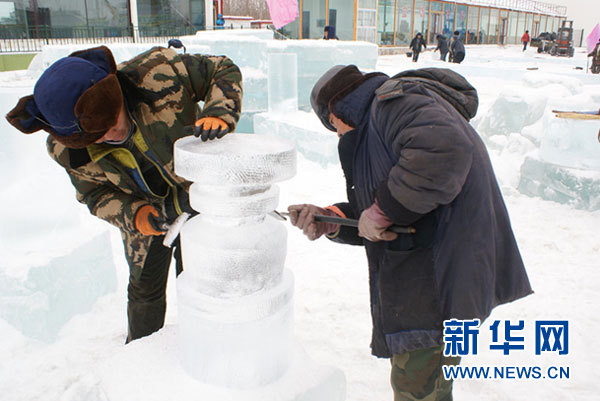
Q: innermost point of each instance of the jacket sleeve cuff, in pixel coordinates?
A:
(394, 209)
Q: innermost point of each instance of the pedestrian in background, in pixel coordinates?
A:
(417, 44)
(329, 33)
(457, 48)
(525, 39)
(442, 46)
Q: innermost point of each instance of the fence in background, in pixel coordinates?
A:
(14, 40)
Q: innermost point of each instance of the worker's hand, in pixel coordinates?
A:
(373, 224)
(302, 216)
(210, 128)
(149, 222)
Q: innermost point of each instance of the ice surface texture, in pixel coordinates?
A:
(576, 187)
(230, 261)
(235, 160)
(237, 343)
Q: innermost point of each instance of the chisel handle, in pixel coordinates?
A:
(354, 223)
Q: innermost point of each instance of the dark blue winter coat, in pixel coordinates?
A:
(428, 168)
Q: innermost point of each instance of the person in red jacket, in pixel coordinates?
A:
(525, 40)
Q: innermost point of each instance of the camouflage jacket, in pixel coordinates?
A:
(162, 90)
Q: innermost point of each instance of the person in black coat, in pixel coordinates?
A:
(417, 44)
(457, 48)
(411, 158)
(329, 32)
(442, 46)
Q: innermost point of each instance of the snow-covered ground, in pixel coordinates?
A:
(560, 246)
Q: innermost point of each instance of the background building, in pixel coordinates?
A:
(93, 18)
(385, 22)
(396, 22)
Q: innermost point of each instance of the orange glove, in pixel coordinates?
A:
(148, 222)
(210, 128)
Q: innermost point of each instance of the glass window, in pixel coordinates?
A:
(494, 27)
(484, 25)
(512, 28)
(112, 13)
(543, 21)
(367, 4)
(461, 21)
(448, 27)
(421, 17)
(197, 14)
(313, 18)
(404, 12)
(385, 22)
(365, 20)
(342, 17)
(551, 25)
(527, 23)
(503, 27)
(473, 25)
(70, 18)
(535, 25)
(161, 17)
(521, 26)
(291, 30)
(436, 6)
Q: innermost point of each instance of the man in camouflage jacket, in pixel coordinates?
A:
(113, 129)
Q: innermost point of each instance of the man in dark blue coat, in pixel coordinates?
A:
(411, 158)
(457, 48)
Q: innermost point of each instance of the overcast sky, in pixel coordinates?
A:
(584, 13)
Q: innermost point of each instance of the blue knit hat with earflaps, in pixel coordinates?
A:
(77, 99)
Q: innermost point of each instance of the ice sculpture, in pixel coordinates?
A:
(567, 167)
(235, 309)
(283, 82)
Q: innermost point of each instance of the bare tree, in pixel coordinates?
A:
(247, 8)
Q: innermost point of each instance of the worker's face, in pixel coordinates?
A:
(340, 126)
(120, 130)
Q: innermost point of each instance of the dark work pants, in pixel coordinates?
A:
(458, 58)
(525, 46)
(146, 295)
(415, 56)
(443, 56)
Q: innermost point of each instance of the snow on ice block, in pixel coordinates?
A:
(313, 140)
(235, 160)
(148, 370)
(511, 111)
(579, 188)
(52, 293)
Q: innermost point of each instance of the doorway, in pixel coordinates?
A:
(503, 30)
(436, 26)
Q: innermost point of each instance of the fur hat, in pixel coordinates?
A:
(333, 86)
(76, 100)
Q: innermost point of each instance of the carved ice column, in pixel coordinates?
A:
(235, 308)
